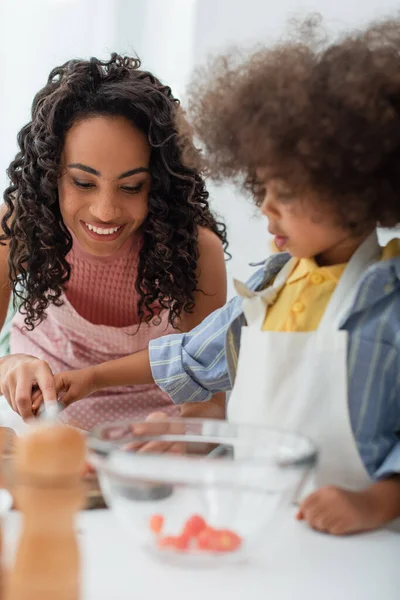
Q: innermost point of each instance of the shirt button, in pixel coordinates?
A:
(388, 289)
(298, 307)
(317, 278)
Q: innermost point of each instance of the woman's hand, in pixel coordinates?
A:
(20, 376)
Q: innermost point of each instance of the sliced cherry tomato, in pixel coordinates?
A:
(177, 542)
(156, 524)
(194, 525)
(227, 541)
(206, 540)
(215, 540)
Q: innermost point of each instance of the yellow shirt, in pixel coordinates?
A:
(303, 299)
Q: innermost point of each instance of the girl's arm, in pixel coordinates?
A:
(211, 273)
(191, 366)
(135, 369)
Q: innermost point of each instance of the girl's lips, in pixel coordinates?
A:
(280, 241)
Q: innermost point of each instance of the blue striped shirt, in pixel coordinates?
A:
(193, 366)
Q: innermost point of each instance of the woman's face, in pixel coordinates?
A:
(105, 183)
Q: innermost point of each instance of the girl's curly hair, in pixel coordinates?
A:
(178, 201)
(321, 114)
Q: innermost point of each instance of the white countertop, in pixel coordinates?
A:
(295, 563)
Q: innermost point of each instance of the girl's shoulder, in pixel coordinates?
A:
(267, 271)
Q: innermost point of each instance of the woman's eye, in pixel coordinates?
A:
(132, 189)
(83, 184)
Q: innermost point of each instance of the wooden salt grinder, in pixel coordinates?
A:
(48, 490)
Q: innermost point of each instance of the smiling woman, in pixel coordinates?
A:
(108, 236)
(104, 187)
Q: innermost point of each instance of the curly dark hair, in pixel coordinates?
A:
(321, 114)
(178, 201)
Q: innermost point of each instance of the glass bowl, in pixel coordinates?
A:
(198, 491)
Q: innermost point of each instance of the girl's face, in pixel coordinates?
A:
(105, 183)
(303, 230)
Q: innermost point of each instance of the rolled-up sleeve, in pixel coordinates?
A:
(191, 367)
(391, 465)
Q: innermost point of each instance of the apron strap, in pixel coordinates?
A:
(255, 303)
(345, 292)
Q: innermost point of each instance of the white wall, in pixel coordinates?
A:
(171, 36)
(35, 36)
(162, 34)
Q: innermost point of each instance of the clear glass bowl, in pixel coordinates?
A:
(234, 477)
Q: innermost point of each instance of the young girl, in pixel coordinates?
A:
(313, 341)
(108, 236)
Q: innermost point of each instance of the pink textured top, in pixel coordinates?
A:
(96, 323)
(102, 289)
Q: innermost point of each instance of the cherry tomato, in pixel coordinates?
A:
(228, 541)
(156, 523)
(177, 542)
(194, 525)
(206, 540)
(218, 540)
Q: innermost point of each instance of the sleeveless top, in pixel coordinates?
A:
(97, 322)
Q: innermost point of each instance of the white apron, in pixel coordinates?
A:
(298, 381)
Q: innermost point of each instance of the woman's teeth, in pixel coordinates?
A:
(102, 230)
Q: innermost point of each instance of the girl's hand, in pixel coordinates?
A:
(70, 386)
(204, 410)
(157, 423)
(75, 385)
(20, 375)
(341, 512)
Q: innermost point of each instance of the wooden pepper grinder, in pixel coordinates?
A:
(4, 437)
(48, 489)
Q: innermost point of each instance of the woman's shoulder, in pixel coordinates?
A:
(209, 241)
(211, 253)
(211, 278)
